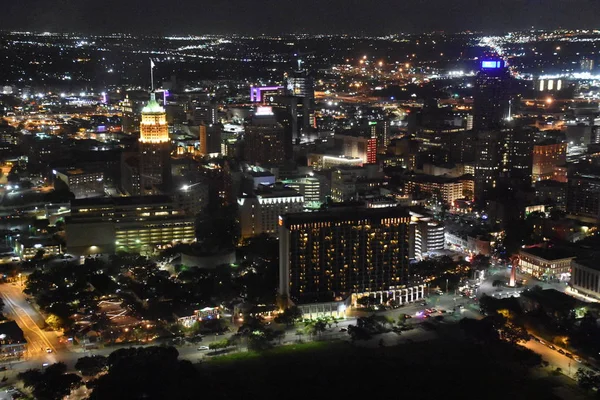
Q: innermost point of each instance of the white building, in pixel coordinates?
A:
(260, 213)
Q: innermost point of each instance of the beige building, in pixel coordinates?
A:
(548, 262)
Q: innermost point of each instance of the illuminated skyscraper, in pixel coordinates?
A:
(300, 95)
(155, 149)
(492, 96)
(265, 140)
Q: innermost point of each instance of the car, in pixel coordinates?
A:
(48, 350)
(551, 347)
(433, 310)
(423, 303)
(569, 355)
(576, 358)
(461, 306)
(343, 330)
(202, 348)
(428, 310)
(561, 351)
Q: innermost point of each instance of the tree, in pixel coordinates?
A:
(289, 316)
(220, 344)
(51, 384)
(586, 379)
(359, 333)
(146, 373)
(90, 366)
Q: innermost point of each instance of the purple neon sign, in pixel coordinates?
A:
(257, 91)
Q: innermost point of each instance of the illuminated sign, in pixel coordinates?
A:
(264, 111)
(495, 64)
(256, 93)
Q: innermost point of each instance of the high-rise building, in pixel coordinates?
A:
(492, 95)
(447, 190)
(547, 156)
(583, 195)
(260, 213)
(206, 112)
(155, 149)
(309, 187)
(517, 153)
(331, 255)
(265, 140)
(300, 95)
(488, 159)
(210, 138)
(426, 235)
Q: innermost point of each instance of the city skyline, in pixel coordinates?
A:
(271, 17)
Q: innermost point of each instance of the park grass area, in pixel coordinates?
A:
(442, 368)
(250, 356)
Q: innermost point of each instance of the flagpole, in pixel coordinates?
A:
(152, 75)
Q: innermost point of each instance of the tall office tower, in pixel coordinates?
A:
(547, 156)
(129, 119)
(206, 112)
(517, 153)
(381, 130)
(155, 149)
(265, 140)
(210, 138)
(300, 95)
(488, 162)
(492, 95)
(331, 255)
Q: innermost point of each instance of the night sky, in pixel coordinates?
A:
(296, 16)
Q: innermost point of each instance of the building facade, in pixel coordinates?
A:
(80, 182)
(546, 158)
(546, 262)
(155, 149)
(135, 224)
(260, 213)
(448, 189)
(332, 255)
(585, 277)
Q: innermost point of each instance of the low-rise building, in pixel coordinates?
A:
(82, 183)
(12, 341)
(585, 277)
(31, 247)
(546, 262)
(137, 224)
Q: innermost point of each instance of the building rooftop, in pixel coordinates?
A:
(549, 254)
(342, 213)
(589, 262)
(423, 178)
(120, 201)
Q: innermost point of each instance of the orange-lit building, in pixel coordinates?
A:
(548, 158)
(155, 149)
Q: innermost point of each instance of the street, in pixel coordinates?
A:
(30, 321)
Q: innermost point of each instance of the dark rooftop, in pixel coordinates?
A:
(346, 214)
(120, 201)
(551, 253)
